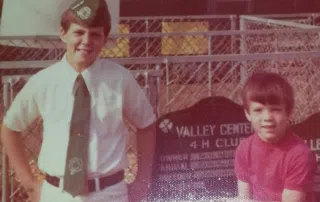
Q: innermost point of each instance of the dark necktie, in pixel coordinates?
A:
(75, 178)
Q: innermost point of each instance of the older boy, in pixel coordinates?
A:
(273, 164)
(83, 102)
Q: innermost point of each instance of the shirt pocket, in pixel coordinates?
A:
(106, 114)
(57, 107)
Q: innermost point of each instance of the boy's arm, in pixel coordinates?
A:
(300, 178)
(241, 171)
(139, 112)
(145, 150)
(293, 196)
(13, 144)
(244, 190)
(22, 112)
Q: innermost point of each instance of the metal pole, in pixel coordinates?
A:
(147, 86)
(209, 68)
(11, 187)
(5, 176)
(167, 85)
(233, 20)
(233, 26)
(243, 50)
(5, 163)
(313, 19)
(147, 42)
(158, 87)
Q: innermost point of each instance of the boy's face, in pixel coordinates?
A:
(83, 44)
(270, 122)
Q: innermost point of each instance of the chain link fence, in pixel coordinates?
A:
(283, 40)
(302, 18)
(135, 39)
(290, 36)
(199, 56)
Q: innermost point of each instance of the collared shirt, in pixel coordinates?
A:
(115, 96)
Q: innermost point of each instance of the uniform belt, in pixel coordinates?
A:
(104, 182)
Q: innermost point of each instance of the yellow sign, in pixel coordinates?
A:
(121, 49)
(184, 45)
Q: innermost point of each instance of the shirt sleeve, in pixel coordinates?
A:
(241, 163)
(301, 174)
(24, 108)
(137, 108)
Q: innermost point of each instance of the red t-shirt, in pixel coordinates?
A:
(271, 168)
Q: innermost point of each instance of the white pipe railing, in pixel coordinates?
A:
(278, 22)
(173, 59)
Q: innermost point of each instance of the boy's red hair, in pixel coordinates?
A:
(102, 18)
(268, 88)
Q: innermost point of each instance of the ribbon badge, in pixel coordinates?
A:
(84, 13)
(75, 165)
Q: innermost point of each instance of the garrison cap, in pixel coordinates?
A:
(88, 10)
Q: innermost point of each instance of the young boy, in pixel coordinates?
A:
(273, 164)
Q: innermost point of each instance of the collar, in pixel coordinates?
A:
(87, 74)
(285, 140)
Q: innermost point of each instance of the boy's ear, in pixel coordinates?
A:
(62, 34)
(106, 39)
(247, 115)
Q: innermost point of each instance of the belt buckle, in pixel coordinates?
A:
(97, 183)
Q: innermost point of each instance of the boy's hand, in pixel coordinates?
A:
(34, 192)
(138, 191)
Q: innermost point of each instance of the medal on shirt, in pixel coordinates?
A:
(75, 165)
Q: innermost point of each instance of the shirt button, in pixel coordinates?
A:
(79, 134)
